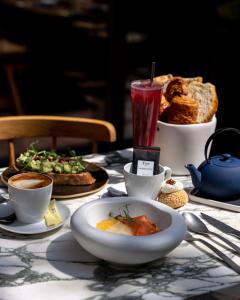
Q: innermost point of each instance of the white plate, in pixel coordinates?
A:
(231, 205)
(40, 227)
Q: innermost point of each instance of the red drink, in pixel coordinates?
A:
(146, 100)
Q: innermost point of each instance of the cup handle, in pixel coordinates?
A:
(168, 172)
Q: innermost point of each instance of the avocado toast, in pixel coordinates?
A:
(63, 170)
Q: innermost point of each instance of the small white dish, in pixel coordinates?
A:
(36, 228)
(230, 205)
(124, 249)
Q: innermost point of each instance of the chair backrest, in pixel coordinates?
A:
(16, 127)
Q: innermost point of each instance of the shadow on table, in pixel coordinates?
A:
(66, 255)
(5, 234)
(229, 293)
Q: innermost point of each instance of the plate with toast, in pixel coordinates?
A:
(70, 191)
(72, 176)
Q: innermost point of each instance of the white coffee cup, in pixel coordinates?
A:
(145, 186)
(30, 194)
(183, 144)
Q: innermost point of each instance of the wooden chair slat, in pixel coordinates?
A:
(17, 127)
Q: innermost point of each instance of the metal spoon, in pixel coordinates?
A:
(189, 238)
(196, 225)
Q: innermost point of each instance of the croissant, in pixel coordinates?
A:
(176, 87)
(183, 110)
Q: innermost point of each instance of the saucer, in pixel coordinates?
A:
(230, 205)
(35, 228)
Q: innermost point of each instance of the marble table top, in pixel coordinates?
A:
(54, 264)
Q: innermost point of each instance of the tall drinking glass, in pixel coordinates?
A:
(146, 98)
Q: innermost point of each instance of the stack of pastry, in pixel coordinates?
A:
(186, 100)
(173, 194)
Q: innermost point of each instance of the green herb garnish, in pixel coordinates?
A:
(124, 216)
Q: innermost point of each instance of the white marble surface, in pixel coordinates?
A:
(55, 266)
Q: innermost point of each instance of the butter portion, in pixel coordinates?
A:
(52, 215)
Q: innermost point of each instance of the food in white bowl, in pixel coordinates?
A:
(124, 223)
(127, 249)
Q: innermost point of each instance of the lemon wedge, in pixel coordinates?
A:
(52, 215)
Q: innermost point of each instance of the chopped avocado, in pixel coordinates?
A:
(35, 165)
(58, 168)
(67, 168)
(49, 161)
(46, 169)
(47, 166)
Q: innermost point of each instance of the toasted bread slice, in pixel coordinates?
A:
(84, 178)
(194, 79)
(164, 104)
(163, 79)
(206, 96)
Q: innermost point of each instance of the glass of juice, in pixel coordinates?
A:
(146, 98)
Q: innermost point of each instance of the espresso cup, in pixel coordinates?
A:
(30, 194)
(145, 186)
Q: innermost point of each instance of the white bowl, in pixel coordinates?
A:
(124, 249)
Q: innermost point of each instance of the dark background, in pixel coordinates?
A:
(71, 68)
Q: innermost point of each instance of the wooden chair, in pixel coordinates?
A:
(16, 127)
(11, 58)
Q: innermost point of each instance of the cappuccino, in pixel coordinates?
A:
(30, 194)
(29, 181)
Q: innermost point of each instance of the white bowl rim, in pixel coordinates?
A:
(213, 120)
(173, 234)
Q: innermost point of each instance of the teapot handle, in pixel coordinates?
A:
(217, 132)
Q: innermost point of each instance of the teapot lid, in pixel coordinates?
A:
(225, 160)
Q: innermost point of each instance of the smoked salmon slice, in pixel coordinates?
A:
(142, 225)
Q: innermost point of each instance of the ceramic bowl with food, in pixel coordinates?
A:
(122, 248)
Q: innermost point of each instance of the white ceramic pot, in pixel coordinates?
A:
(183, 144)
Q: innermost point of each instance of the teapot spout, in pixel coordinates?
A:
(195, 174)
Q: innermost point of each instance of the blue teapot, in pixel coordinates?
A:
(218, 177)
